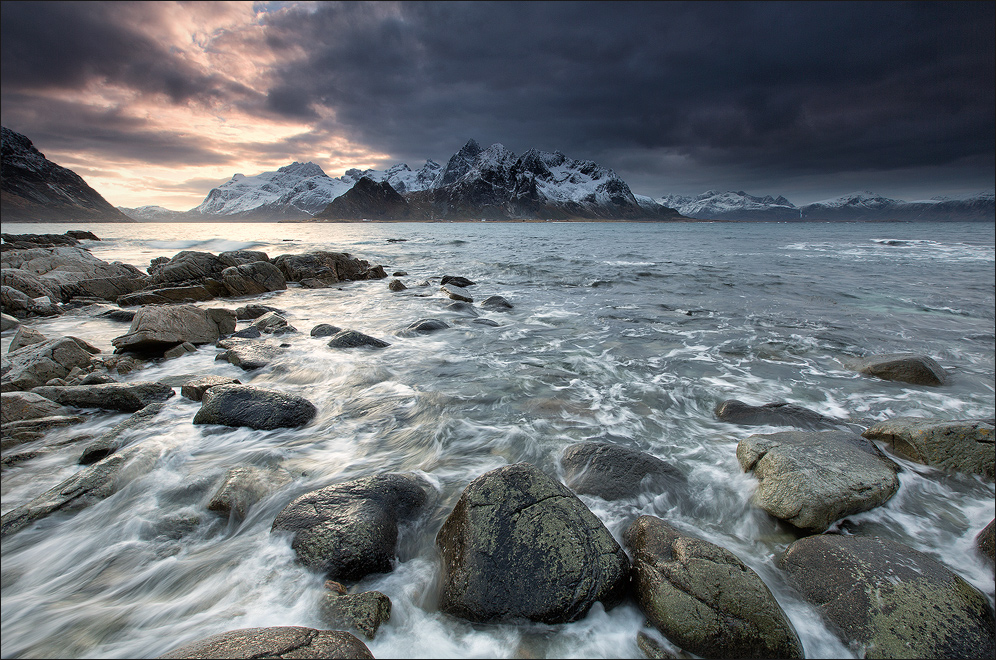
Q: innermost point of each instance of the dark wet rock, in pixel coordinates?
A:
(487, 322)
(195, 388)
(20, 305)
(173, 295)
(496, 303)
(355, 339)
(249, 312)
(363, 612)
(328, 267)
(155, 330)
(25, 430)
(520, 545)
(248, 332)
(986, 541)
(28, 405)
(652, 648)
(257, 408)
(37, 364)
(82, 234)
(703, 598)
(272, 323)
(614, 472)
(85, 488)
(104, 288)
(890, 601)
(187, 266)
(461, 307)
(778, 414)
(116, 438)
(396, 285)
(349, 530)
(125, 397)
(8, 322)
(455, 280)
(179, 350)
(904, 367)
(28, 283)
(120, 315)
(25, 336)
(95, 379)
(324, 330)
(456, 293)
(423, 327)
(242, 487)
(250, 279)
(956, 446)
(246, 353)
(273, 643)
(240, 257)
(812, 478)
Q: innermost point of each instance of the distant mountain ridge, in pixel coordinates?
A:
(34, 189)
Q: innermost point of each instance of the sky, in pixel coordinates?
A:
(158, 102)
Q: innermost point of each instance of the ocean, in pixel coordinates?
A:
(626, 332)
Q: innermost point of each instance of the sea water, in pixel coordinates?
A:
(625, 332)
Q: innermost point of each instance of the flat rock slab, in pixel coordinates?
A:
(614, 472)
(125, 397)
(277, 642)
(28, 405)
(519, 545)
(956, 446)
(779, 414)
(903, 367)
(889, 601)
(812, 478)
(350, 530)
(703, 598)
(257, 408)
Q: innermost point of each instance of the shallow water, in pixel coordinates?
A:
(631, 332)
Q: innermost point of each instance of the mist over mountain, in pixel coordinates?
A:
(37, 190)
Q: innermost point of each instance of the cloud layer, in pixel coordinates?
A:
(783, 98)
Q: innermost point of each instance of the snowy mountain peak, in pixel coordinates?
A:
(302, 169)
(458, 164)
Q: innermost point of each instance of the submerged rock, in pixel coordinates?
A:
(350, 530)
(780, 414)
(904, 367)
(890, 601)
(325, 330)
(958, 446)
(364, 611)
(276, 642)
(812, 478)
(423, 327)
(496, 303)
(113, 440)
(456, 293)
(520, 545)
(354, 339)
(703, 598)
(613, 472)
(257, 408)
(242, 487)
(455, 280)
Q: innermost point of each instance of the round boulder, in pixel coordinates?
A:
(520, 545)
(257, 408)
(613, 472)
(355, 339)
(888, 600)
(904, 367)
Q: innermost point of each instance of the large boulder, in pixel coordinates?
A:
(187, 266)
(889, 601)
(124, 397)
(520, 545)
(28, 405)
(778, 414)
(64, 265)
(37, 364)
(157, 329)
(257, 408)
(958, 446)
(614, 472)
(703, 598)
(19, 305)
(904, 367)
(277, 642)
(349, 530)
(812, 478)
(25, 336)
(250, 279)
(326, 267)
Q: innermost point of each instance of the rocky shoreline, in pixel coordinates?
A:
(519, 545)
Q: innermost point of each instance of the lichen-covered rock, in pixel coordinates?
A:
(889, 601)
(257, 408)
(957, 446)
(703, 598)
(780, 414)
(613, 472)
(278, 642)
(812, 478)
(520, 545)
(156, 329)
(904, 367)
(349, 530)
(364, 612)
(125, 397)
(242, 487)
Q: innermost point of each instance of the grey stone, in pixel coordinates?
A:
(423, 327)
(8, 322)
(28, 405)
(956, 446)
(27, 283)
(519, 545)
(246, 353)
(986, 541)
(496, 303)
(116, 438)
(125, 397)
(257, 408)
(242, 487)
(250, 279)
(703, 598)
(25, 430)
(889, 601)
(248, 332)
(614, 472)
(173, 294)
(455, 280)
(179, 349)
(349, 530)
(120, 315)
(396, 285)
(780, 414)
(487, 322)
(456, 293)
(904, 367)
(239, 257)
(354, 339)
(324, 330)
(272, 323)
(277, 642)
(37, 364)
(364, 612)
(330, 267)
(188, 265)
(248, 312)
(104, 288)
(195, 388)
(159, 328)
(812, 478)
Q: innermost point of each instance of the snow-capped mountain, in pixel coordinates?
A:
(732, 206)
(152, 214)
(34, 189)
